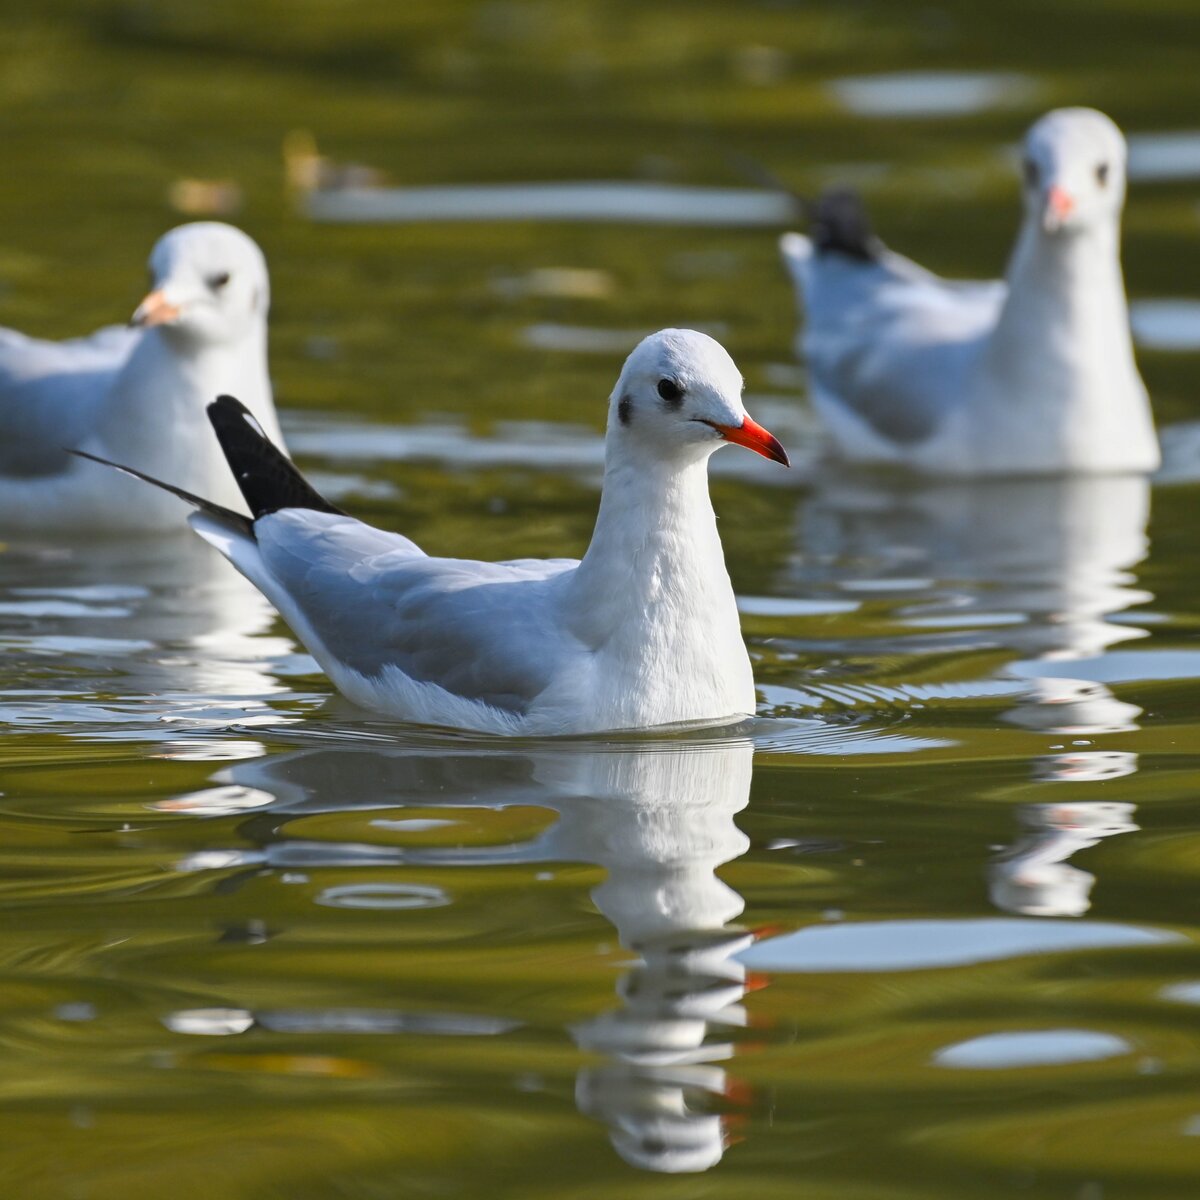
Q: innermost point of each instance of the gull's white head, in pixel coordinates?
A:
(680, 395)
(208, 284)
(1074, 167)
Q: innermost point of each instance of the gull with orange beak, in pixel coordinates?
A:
(642, 632)
(138, 392)
(155, 309)
(1031, 375)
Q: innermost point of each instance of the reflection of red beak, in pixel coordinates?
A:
(754, 437)
(1060, 204)
(755, 981)
(769, 929)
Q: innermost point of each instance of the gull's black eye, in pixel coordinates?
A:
(1031, 172)
(217, 282)
(1102, 174)
(671, 392)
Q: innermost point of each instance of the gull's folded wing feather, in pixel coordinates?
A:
(50, 393)
(374, 601)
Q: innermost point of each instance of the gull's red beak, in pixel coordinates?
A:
(1060, 204)
(754, 437)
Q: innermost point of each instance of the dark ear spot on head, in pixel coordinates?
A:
(625, 410)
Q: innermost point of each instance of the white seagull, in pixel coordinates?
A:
(642, 632)
(1034, 374)
(137, 393)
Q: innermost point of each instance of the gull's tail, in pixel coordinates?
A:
(268, 479)
(840, 225)
(837, 219)
(235, 522)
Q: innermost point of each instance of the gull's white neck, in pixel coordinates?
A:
(656, 533)
(1061, 355)
(1067, 283)
(155, 416)
(167, 382)
(652, 597)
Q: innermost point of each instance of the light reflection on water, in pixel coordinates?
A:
(927, 94)
(1045, 1047)
(641, 203)
(1158, 157)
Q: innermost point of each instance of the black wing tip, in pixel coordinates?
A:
(268, 479)
(841, 226)
(225, 404)
(226, 408)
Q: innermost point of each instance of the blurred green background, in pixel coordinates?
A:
(106, 105)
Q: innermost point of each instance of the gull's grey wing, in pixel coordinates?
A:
(374, 600)
(50, 393)
(887, 339)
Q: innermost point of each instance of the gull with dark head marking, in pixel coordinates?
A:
(1034, 374)
(642, 632)
(137, 393)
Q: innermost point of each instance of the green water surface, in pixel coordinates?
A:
(925, 930)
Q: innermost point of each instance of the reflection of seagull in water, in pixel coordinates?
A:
(657, 1053)
(1034, 878)
(172, 621)
(672, 817)
(657, 816)
(1055, 705)
(1085, 766)
(1037, 567)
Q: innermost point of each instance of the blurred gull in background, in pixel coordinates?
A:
(137, 394)
(1031, 375)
